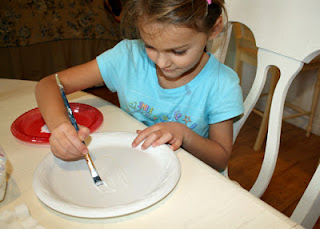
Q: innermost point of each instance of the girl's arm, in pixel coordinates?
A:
(214, 151)
(65, 142)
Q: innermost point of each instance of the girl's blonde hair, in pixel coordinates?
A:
(194, 14)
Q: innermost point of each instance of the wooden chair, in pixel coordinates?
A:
(246, 52)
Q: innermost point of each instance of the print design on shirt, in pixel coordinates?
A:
(146, 110)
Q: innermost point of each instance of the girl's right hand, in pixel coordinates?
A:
(66, 142)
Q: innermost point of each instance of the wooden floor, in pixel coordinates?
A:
(297, 161)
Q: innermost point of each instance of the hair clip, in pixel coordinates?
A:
(209, 2)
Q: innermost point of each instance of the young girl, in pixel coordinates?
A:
(164, 79)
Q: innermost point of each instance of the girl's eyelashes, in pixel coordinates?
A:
(179, 53)
(148, 47)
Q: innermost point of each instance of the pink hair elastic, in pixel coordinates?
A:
(209, 2)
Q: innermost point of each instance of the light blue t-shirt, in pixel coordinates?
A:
(214, 95)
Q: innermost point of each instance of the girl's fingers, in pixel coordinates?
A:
(176, 144)
(142, 135)
(69, 150)
(166, 138)
(67, 143)
(157, 135)
(58, 150)
(72, 143)
(150, 139)
(55, 150)
(83, 133)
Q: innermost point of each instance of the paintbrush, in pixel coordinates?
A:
(100, 184)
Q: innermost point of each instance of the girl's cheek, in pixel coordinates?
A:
(151, 55)
(182, 62)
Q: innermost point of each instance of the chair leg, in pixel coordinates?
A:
(289, 70)
(314, 104)
(264, 123)
(307, 211)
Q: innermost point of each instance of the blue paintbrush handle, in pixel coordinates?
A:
(66, 104)
(70, 114)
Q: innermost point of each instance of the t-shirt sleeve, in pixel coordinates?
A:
(111, 64)
(229, 102)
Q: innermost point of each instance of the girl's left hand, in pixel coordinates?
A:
(161, 133)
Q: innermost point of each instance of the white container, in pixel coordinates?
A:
(3, 174)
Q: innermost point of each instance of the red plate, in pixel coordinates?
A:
(28, 126)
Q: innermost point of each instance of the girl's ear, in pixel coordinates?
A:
(216, 29)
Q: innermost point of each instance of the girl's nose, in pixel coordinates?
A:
(163, 61)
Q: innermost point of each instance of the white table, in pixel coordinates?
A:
(203, 197)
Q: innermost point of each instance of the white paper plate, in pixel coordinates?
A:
(140, 178)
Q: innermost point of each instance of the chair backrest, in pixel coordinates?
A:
(244, 36)
(287, 36)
